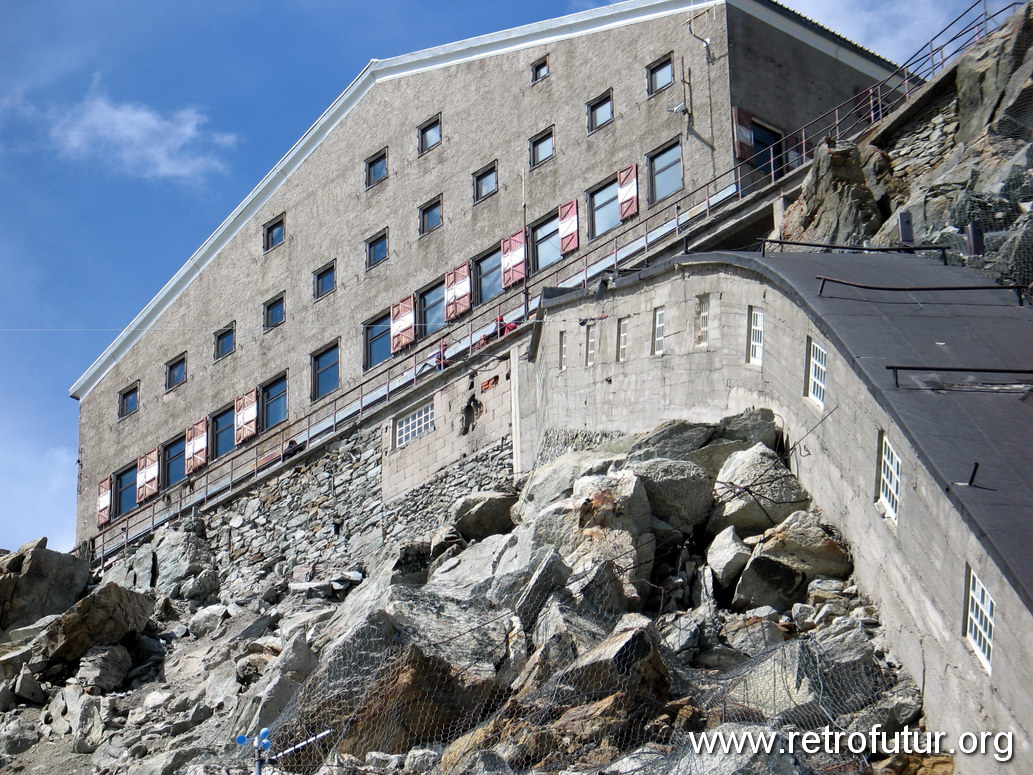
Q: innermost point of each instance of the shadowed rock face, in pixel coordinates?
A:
(36, 582)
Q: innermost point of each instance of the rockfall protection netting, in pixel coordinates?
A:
(517, 662)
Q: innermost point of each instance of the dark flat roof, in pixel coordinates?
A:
(952, 419)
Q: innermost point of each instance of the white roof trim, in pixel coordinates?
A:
(574, 25)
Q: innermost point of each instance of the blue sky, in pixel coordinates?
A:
(129, 130)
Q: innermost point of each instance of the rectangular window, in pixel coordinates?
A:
(755, 335)
(173, 462)
(326, 374)
(432, 309)
(414, 425)
(889, 477)
(660, 75)
(703, 320)
(377, 333)
(274, 402)
(274, 312)
(767, 149)
(563, 350)
(590, 344)
(485, 182)
(176, 372)
(489, 276)
(540, 70)
(222, 433)
(274, 233)
(324, 280)
(125, 491)
(429, 135)
(376, 168)
(600, 111)
(665, 176)
(657, 347)
(376, 249)
(129, 400)
(543, 147)
(430, 216)
(980, 610)
(623, 324)
(225, 341)
(817, 367)
(605, 210)
(545, 242)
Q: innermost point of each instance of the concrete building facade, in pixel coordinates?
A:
(426, 194)
(888, 456)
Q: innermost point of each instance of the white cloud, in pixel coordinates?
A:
(139, 140)
(37, 496)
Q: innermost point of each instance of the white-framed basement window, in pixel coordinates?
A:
(590, 345)
(414, 424)
(563, 350)
(979, 619)
(755, 350)
(889, 477)
(817, 369)
(622, 339)
(657, 347)
(703, 320)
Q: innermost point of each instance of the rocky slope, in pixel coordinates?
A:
(961, 154)
(616, 602)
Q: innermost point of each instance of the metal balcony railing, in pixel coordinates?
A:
(462, 339)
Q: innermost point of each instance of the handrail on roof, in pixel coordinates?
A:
(1018, 289)
(897, 369)
(941, 249)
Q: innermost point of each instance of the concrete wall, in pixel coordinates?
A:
(914, 567)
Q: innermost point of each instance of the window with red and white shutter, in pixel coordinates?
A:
(196, 446)
(403, 323)
(458, 298)
(147, 476)
(514, 259)
(742, 126)
(568, 227)
(627, 191)
(104, 502)
(245, 417)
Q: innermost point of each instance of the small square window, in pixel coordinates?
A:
(414, 425)
(430, 216)
(275, 312)
(324, 280)
(543, 147)
(430, 135)
(540, 70)
(377, 333)
(376, 249)
(274, 402)
(376, 168)
(600, 112)
(129, 400)
(176, 372)
(485, 182)
(660, 75)
(225, 341)
(326, 374)
(274, 233)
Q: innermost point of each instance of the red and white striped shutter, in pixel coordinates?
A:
(627, 191)
(104, 502)
(403, 323)
(458, 298)
(245, 417)
(197, 446)
(147, 476)
(742, 125)
(568, 227)
(514, 259)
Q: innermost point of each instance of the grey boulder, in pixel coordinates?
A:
(679, 492)
(481, 514)
(35, 582)
(802, 542)
(754, 492)
(727, 555)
